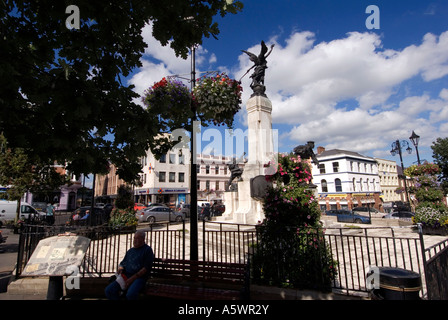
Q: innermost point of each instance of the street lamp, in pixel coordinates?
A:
(415, 138)
(396, 148)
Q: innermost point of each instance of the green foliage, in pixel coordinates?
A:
(123, 218)
(23, 173)
(217, 99)
(426, 188)
(422, 169)
(63, 94)
(440, 155)
(124, 199)
(292, 250)
(214, 100)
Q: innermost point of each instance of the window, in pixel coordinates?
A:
(198, 185)
(216, 169)
(338, 185)
(324, 185)
(217, 186)
(181, 177)
(198, 168)
(181, 159)
(322, 168)
(354, 184)
(172, 177)
(335, 166)
(163, 158)
(207, 169)
(162, 176)
(207, 185)
(172, 158)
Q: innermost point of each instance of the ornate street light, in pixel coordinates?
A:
(396, 148)
(415, 138)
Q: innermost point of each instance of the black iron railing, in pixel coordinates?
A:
(355, 250)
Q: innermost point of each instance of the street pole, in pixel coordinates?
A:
(193, 172)
(402, 168)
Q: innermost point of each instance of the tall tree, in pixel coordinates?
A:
(20, 173)
(61, 92)
(440, 155)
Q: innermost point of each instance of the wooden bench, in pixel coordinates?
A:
(198, 280)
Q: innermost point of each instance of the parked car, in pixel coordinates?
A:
(365, 210)
(184, 208)
(155, 204)
(352, 217)
(403, 215)
(139, 206)
(336, 212)
(39, 206)
(159, 213)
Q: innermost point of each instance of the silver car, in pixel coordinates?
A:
(402, 215)
(159, 213)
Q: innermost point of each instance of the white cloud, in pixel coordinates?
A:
(349, 93)
(307, 82)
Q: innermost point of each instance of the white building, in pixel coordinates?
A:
(346, 179)
(166, 180)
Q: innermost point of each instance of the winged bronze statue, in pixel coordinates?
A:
(260, 65)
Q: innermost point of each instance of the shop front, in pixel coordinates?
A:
(169, 196)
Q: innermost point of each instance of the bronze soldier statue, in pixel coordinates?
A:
(235, 170)
(306, 152)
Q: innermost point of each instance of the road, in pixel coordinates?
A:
(8, 257)
(9, 249)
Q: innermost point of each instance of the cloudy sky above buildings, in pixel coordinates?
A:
(331, 78)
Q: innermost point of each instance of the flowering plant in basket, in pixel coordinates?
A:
(169, 100)
(217, 99)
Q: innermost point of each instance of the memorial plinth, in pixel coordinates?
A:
(243, 208)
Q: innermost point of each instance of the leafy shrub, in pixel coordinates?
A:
(123, 218)
(291, 249)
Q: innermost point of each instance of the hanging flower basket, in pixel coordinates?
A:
(217, 99)
(168, 98)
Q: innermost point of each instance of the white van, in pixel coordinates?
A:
(8, 211)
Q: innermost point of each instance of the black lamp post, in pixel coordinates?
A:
(193, 173)
(396, 148)
(415, 138)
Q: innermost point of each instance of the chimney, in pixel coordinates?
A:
(320, 150)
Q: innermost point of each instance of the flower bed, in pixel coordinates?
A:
(433, 220)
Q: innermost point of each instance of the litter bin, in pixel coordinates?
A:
(397, 284)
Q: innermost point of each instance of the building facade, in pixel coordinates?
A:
(346, 179)
(167, 180)
(389, 182)
(213, 174)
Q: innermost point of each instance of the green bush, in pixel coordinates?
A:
(123, 218)
(291, 249)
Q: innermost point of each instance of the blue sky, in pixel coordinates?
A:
(330, 78)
